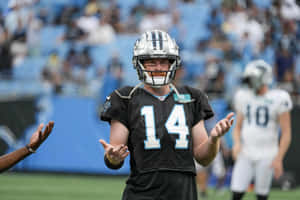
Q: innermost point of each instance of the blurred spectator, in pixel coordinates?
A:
(114, 14)
(88, 22)
(188, 1)
(215, 20)
(113, 77)
(17, 15)
(6, 57)
(290, 10)
(244, 26)
(267, 50)
(93, 7)
(289, 84)
(19, 48)
(284, 61)
(103, 32)
(83, 66)
(177, 29)
(66, 15)
(155, 19)
(216, 83)
(33, 35)
(84, 59)
(135, 17)
(52, 72)
(73, 32)
(69, 63)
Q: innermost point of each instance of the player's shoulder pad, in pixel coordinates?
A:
(242, 93)
(281, 95)
(124, 92)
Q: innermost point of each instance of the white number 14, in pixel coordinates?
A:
(176, 124)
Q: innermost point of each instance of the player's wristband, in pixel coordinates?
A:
(112, 165)
(31, 150)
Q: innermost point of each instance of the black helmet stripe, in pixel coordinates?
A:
(153, 40)
(160, 40)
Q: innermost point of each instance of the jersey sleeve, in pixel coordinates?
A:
(285, 102)
(202, 107)
(114, 108)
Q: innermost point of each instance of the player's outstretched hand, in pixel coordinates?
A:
(39, 136)
(117, 153)
(222, 126)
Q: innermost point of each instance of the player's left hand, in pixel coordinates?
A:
(222, 126)
(39, 136)
(278, 167)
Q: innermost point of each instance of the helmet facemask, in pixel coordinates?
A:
(156, 45)
(157, 78)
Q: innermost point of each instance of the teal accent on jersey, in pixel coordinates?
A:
(182, 97)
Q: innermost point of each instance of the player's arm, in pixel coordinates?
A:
(37, 138)
(284, 143)
(206, 148)
(9, 160)
(116, 151)
(237, 135)
(285, 140)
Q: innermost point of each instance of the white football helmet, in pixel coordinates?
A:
(156, 44)
(258, 73)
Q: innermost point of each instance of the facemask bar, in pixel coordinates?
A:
(156, 81)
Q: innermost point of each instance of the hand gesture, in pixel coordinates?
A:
(38, 137)
(278, 167)
(115, 154)
(222, 126)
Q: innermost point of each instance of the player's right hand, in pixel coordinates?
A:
(115, 153)
(236, 150)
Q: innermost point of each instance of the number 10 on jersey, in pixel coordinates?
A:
(176, 124)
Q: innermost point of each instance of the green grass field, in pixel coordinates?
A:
(18, 186)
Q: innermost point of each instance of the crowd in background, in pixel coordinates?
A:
(217, 39)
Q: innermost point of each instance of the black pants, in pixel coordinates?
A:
(161, 185)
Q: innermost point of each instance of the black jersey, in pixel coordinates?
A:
(159, 131)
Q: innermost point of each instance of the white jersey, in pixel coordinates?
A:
(260, 128)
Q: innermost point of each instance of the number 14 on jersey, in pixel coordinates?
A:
(176, 124)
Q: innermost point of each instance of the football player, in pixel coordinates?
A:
(260, 112)
(160, 125)
(37, 138)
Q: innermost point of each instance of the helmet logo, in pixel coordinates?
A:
(156, 44)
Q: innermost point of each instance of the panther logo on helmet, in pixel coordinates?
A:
(156, 44)
(258, 73)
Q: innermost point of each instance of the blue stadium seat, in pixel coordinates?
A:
(100, 54)
(49, 38)
(30, 69)
(158, 4)
(125, 7)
